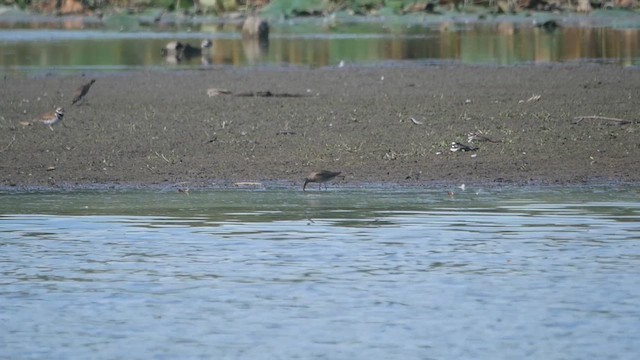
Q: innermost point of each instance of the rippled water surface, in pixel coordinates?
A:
(543, 273)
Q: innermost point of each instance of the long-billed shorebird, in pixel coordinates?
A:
(319, 177)
(82, 91)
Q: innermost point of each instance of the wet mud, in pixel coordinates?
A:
(559, 124)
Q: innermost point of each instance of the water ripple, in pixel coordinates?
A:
(404, 274)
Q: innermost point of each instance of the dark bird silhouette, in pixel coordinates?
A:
(177, 51)
(549, 25)
(319, 177)
(82, 91)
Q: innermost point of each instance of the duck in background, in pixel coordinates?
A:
(175, 51)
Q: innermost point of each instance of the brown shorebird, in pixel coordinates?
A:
(82, 91)
(319, 177)
(50, 118)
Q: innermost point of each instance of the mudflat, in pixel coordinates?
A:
(535, 124)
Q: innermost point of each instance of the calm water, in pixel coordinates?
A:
(506, 273)
(75, 45)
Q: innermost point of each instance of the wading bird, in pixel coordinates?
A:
(319, 177)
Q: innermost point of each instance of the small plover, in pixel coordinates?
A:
(456, 146)
(320, 177)
(49, 118)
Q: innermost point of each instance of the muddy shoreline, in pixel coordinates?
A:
(376, 125)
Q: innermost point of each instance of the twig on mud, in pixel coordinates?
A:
(577, 119)
(8, 146)
(215, 92)
(162, 156)
(269, 94)
(413, 120)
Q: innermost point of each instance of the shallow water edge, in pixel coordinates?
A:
(448, 187)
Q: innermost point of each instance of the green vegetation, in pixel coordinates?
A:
(289, 8)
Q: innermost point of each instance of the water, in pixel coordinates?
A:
(78, 46)
(494, 273)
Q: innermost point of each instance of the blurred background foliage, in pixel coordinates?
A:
(288, 8)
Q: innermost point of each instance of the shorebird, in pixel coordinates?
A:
(319, 177)
(82, 91)
(49, 118)
(456, 146)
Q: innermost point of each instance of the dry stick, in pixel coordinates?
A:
(162, 156)
(8, 146)
(413, 120)
(595, 117)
